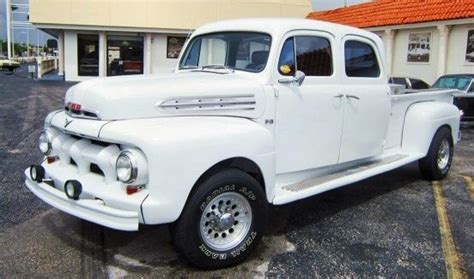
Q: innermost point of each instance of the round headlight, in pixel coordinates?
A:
(44, 142)
(126, 167)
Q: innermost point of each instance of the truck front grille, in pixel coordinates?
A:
(88, 156)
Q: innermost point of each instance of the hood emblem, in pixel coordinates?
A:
(67, 122)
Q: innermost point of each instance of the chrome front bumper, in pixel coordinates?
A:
(89, 208)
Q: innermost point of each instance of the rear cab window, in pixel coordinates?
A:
(360, 60)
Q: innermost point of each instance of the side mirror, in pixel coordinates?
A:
(298, 78)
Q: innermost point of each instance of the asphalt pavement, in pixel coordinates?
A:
(384, 226)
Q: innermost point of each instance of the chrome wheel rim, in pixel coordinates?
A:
(444, 153)
(226, 221)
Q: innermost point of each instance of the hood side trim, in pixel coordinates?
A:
(244, 102)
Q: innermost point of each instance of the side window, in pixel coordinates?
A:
(418, 84)
(360, 60)
(286, 63)
(313, 56)
(471, 89)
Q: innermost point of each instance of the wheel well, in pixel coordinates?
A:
(445, 126)
(241, 163)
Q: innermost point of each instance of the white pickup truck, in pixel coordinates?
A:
(258, 112)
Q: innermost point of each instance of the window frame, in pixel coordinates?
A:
(308, 33)
(373, 46)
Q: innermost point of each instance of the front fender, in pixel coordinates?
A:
(180, 149)
(422, 120)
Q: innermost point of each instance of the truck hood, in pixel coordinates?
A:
(183, 93)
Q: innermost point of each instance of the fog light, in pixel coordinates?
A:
(37, 173)
(73, 189)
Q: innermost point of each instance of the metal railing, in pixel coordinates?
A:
(45, 65)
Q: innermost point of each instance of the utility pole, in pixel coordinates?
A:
(9, 27)
(28, 42)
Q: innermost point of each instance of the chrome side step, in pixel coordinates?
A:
(303, 185)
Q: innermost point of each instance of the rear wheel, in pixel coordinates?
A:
(436, 164)
(223, 220)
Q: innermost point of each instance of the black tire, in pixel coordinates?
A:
(429, 166)
(186, 231)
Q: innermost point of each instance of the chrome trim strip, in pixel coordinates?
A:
(210, 103)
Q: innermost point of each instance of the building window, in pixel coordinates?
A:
(470, 46)
(360, 60)
(124, 55)
(313, 56)
(88, 55)
(419, 47)
(174, 46)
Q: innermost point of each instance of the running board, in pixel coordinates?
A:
(317, 185)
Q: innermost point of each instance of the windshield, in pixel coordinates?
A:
(454, 82)
(244, 51)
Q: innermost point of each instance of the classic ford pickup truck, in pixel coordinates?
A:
(258, 112)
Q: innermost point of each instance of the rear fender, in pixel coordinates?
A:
(422, 120)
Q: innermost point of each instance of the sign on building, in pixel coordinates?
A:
(419, 47)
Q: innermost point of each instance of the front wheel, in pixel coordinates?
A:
(436, 164)
(223, 220)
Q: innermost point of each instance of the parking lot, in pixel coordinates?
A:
(384, 226)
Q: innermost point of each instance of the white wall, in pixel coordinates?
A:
(159, 62)
(457, 51)
(424, 71)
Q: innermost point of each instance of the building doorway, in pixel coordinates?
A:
(124, 55)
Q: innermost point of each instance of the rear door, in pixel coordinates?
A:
(367, 96)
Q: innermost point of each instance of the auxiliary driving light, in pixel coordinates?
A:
(73, 189)
(37, 173)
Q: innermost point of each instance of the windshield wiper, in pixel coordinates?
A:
(217, 67)
(210, 68)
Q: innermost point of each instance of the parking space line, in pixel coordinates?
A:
(452, 259)
(469, 186)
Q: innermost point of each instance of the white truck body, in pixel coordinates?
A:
(297, 140)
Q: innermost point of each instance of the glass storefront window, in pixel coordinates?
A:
(88, 55)
(124, 55)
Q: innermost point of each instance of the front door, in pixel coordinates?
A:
(367, 96)
(308, 117)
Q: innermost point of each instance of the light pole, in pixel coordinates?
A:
(9, 35)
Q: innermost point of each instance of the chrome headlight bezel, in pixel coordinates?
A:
(127, 161)
(45, 142)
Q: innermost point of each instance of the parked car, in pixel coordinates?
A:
(211, 147)
(409, 83)
(9, 65)
(464, 98)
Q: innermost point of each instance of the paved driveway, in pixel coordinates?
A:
(384, 226)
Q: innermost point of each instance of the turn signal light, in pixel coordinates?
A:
(133, 189)
(51, 159)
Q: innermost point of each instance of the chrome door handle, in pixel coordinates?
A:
(339, 96)
(353, 97)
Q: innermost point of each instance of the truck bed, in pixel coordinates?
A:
(400, 105)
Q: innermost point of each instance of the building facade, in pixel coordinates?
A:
(98, 38)
(423, 39)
